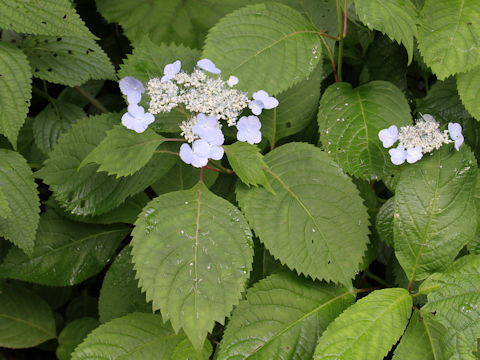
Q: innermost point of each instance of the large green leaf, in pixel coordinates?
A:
(136, 336)
(54, 120)
(267, 46)
(384, 221)
(434, 210)
(197, 246)
(297, 107)
(72, 335)
(20, 192)
(182, 21)
(421, 339)
(349, 121)
(316, 224)
(123, 152)
(449, 36)
(46, 17)
(5, 210)
(469, 90)
(88, 192)
(26, 320)
(15, 90)
(68, 61)
(120, 294)
(396, 18)
(367, 329)
(282, 318)
(455, 297)
(248, 164)
(65, 252)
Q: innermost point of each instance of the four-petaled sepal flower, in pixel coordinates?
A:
(207, 128)
(137, 119)
(249, 129)
(414, 154)
(132, 88)
(455, 131)
(261, 100)
(388, 136)
(398, 155)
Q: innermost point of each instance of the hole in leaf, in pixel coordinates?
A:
(49, 70)
(44, 22)
(70, 52)
(329, 261)
(59, 39)
(55, 54)
(65, 16)
(288, 124)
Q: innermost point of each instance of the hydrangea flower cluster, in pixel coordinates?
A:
(208, 98)
(421, 138)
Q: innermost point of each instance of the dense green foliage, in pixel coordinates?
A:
(309, 244)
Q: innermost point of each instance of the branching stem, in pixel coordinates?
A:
(95, 103)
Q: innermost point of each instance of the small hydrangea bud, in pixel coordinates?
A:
(388, 136)
(398, 155)
(208, 65)
(249, 129)
(137, 119)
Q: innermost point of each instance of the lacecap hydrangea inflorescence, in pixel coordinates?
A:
(207, 97)
(421, 138)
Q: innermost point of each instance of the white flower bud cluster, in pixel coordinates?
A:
(424, 134)
(187, 129)
(164, 96)
(200, 94)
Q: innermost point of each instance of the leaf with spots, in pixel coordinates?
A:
(69, 61)
(317, 223)
(267, 46)
(349, 121)
(282, 318)
(138, 336)
(198, 246)
(434, 210)
(15, 90)
(46, 17)
(65, 252)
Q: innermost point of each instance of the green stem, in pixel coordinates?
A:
(377, 279)
(340, 41)
(96, 104)
(221, 167)
(42, 94)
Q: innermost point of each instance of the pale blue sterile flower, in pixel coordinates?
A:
(206, 128)
(388, 136)
(133, 88)
(232, 81)
(398, 155)
(261, 100)
(455, 131)
(208, 65)
(414, 154)
(137, 119)
(249, 129)
(170, 70)
(197, 155)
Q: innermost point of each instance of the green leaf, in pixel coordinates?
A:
(421, 339)
(297, 107)
(5, 210)
(349, 121)
(123, 152)
(199, 246)
(395, 18)
(384, 221)
(434, 210)
(317, 223)
(367, 329)
(46, 17)
(126, 213)
(135, 336)
(72, 335)
(448, 36)
(54, 120)
(65, 253)
(248, 164)
(20, 192)
(25, 318)
(120, 294)
(15, 90)
(282, 318)
(183, 177)
(267, 46)
(474, 245)
(469, 90)
(455, 297)
(88, 192)
(68, 61)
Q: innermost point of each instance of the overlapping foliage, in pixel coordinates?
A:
(311, 244)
